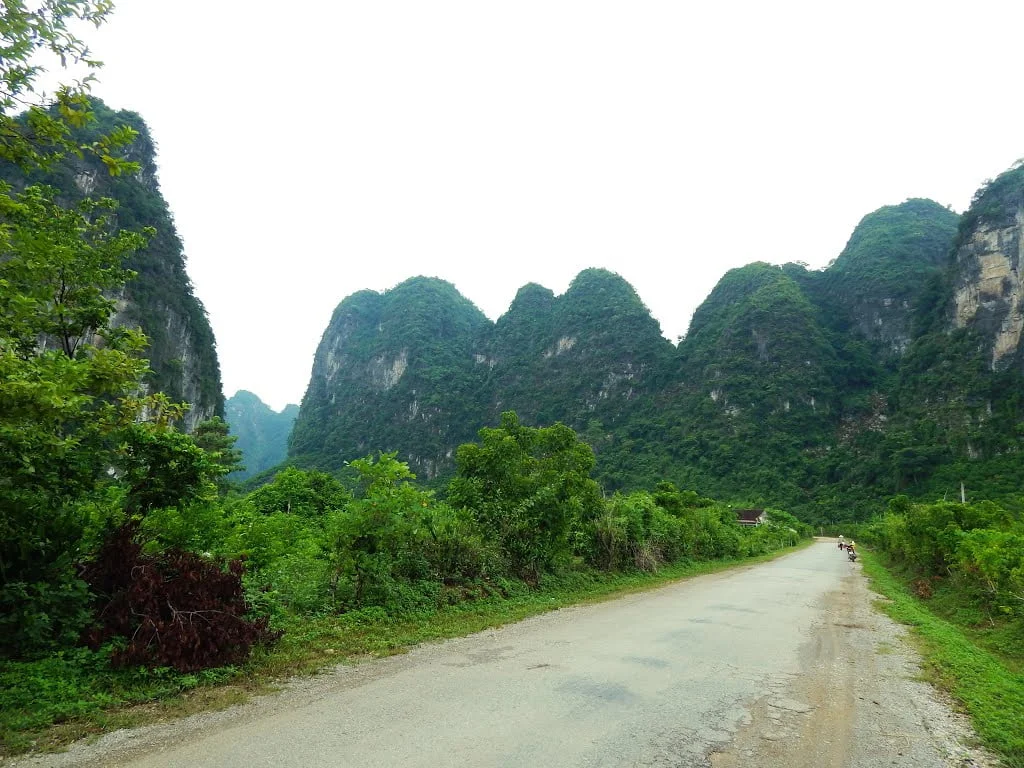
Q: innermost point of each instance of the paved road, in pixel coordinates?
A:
(762, 665)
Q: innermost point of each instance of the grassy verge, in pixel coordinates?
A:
(47, 704)
(992, 694)
(1002, 635)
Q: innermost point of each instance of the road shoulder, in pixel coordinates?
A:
(858, 700)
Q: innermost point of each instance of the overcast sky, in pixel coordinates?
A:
(312, 149)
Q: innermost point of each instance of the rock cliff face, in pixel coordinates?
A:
(160, 300)
(396, 371)
(988, 296)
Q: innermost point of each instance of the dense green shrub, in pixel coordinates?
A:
(980, 547)
(528, 488)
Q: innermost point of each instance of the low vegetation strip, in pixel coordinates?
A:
(991, 693)
(48, 703)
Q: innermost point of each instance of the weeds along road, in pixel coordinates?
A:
(779, 664)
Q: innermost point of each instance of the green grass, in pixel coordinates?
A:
(991, 694)
(47, 704)
(1002, 635)
(80, 688)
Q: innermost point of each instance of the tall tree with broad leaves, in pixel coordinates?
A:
(72, 400)
(526, 486)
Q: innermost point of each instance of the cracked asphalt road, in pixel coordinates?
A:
(778, 664)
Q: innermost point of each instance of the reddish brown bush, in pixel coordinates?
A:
(922, 588)
(175, 609)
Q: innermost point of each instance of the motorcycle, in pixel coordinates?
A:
(851, 554)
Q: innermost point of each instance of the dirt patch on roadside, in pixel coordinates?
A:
(857, 701)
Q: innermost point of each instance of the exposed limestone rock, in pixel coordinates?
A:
(988, 295)
(563, 345)
(761, 340)
(385, 371)
(85, 180)
(490, 362)
(886, 320)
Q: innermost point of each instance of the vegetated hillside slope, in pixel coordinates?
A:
(895, 369)
(420, 370)
(958, 401)
(950, 411)
(398, 371)
(262, 432)
(160, 300)
(585, 358)
(759, 388)
(892, 254)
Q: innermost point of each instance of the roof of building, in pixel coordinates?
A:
(749, 515)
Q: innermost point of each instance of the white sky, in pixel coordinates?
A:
(312, 149)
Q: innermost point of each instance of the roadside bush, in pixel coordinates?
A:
(528, 488)
(42, 615)
(642, 530)
(767, 538)
(619, 536)
(993, 562)
(174, 609)
(978, 548)
(375, 543)
(296, 583)
(717, 534)
(455, 546)
(306, 493)
(667, 535)
(263, 538)
(633, 531)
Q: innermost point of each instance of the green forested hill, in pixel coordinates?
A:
(395, 371)
(894, 250)
(262, 432)
(895, 369)
(870, 291)
(583, 358)
(760, 387)
(160, 300)
(419, 369)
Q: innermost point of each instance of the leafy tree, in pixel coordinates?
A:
(212, 436)
(59, 266)
(42, 133)
(69, 382)
(68, 385)
(308, 493)
(527, 486)
(54, 139)
(161, 468)
(377, 540)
